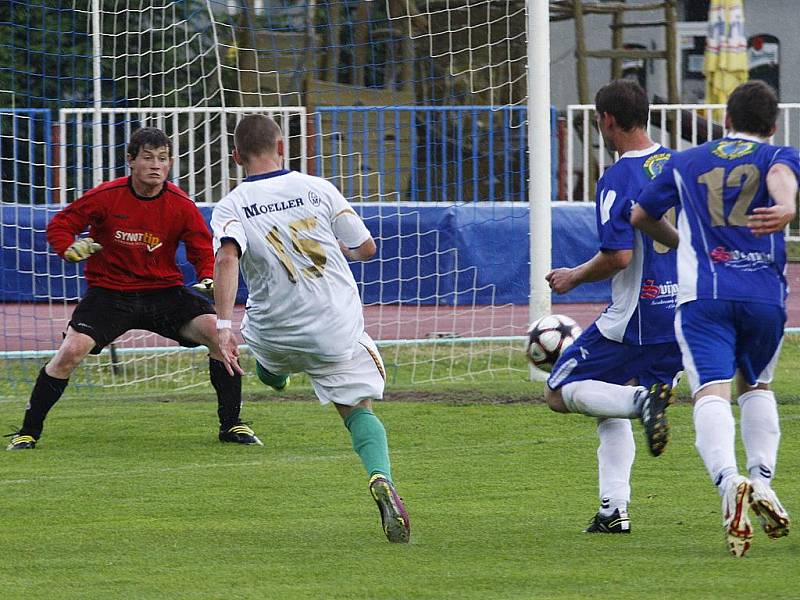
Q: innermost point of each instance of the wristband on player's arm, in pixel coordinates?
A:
(224, 324)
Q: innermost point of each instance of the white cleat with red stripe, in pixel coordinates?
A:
(735, 502)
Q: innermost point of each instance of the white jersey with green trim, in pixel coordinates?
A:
(302, 294)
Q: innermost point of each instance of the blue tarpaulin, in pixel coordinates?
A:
(427, 254)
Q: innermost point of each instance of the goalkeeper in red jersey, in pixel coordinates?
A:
(135, 224)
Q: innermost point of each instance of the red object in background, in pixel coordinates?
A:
(561, 137)
(764, 58)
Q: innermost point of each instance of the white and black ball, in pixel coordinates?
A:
(548, 337)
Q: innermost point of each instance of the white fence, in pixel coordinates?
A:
(697, 124)
(202, 138)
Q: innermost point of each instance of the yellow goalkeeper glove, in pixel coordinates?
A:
(82, 249)
(205, 286)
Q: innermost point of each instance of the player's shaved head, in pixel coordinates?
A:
(256, 135)
(753, 108)
(626, 100)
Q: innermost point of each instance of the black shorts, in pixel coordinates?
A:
(104, 314)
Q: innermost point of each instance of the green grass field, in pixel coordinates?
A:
(135, 498)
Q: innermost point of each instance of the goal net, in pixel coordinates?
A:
(414, 109)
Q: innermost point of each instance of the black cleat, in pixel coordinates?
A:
(654, 417)
(21, 441)
(394, 518)
(239, 434)
(616, 522)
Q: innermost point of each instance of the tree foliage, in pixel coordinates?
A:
(158, 53)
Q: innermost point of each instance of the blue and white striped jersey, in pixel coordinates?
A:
(717, 186)
(643, 294)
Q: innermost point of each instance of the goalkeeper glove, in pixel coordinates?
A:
(205, 286)
(82, 249)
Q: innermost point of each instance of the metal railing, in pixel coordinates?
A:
(426, 153)
(411, 153)
(26, 155)
(202, 139)
(587, 156)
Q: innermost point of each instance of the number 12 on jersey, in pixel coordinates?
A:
(746, 177)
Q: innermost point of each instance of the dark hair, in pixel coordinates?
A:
(256, 135)
(753, 108)
(626, 100)
(148, 136)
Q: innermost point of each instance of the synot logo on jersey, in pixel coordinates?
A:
(138, 238)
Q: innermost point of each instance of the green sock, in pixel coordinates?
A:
(369, 441)
(278, 382)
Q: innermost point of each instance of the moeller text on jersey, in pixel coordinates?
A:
(262, 209)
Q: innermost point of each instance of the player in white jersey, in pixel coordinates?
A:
(292, 234)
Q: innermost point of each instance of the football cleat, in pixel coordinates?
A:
(239, 434)
(276, 382)
(770, 512)
(616, 522)
(654, 417)
(394, 517)
(21, 441)
(735, 501)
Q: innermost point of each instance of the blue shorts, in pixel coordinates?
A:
(719, 336)
(593, 356)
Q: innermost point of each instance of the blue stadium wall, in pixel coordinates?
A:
(466, 254)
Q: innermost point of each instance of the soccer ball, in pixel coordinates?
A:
(548, 337)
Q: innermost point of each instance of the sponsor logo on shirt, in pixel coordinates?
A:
(314, 199)
(138, 238)
(262, 209)
(730, 149)
(661, 293)
(655, 164)
(739, 259)
(720, 254)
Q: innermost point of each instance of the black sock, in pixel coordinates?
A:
(45, 394)
(229, 393)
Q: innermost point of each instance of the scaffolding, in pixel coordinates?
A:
(577, 10)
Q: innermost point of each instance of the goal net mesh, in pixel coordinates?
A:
(415, 110)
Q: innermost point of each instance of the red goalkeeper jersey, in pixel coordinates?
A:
(139, 236)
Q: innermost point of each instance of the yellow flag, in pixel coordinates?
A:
(725, 64)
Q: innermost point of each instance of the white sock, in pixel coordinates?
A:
(715, 436)
(600, 399)
(761, 433)
(614, 461)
